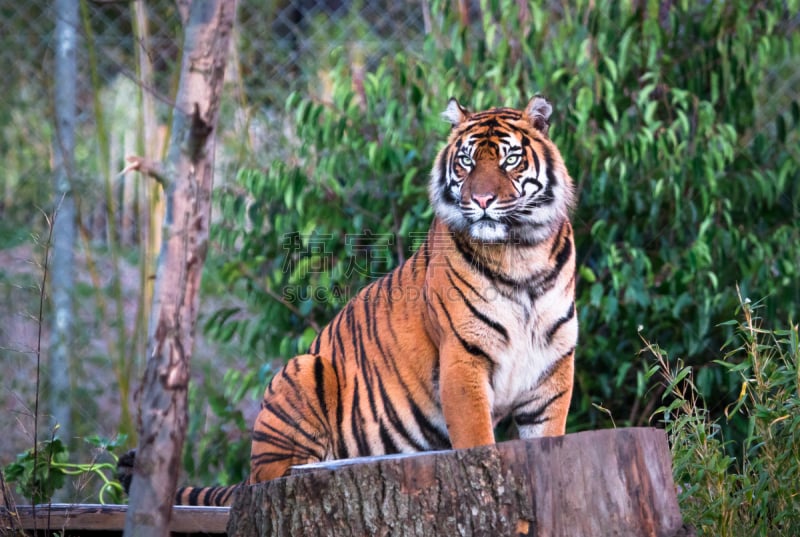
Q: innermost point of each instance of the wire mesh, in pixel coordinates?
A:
(129, 51)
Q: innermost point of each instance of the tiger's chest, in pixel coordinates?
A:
(502, 318)
(531, 349)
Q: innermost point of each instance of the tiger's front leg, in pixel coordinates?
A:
(466, 397)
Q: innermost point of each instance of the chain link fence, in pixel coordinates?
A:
(129, 53)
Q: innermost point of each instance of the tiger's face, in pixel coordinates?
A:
(500, 178)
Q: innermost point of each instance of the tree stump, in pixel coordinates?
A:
(595, 483)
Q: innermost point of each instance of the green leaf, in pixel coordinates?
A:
(780, 126)
(583, 101)
(587, 274)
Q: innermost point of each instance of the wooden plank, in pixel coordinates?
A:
(185, 519)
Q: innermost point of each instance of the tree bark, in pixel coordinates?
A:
(59, 404)
(596, 483)
(188, 172)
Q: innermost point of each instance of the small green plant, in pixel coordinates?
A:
(39, 472)
(748, 487)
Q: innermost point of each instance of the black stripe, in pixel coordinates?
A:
(552, 368)
(471, 348)
(551, 178)
(389, 446)
(228, 493)
(562, 256)
(500, 113)
(394, 419)
(551, 332)
(463, 280)
(211, 493)
(390, 304)
(274, 438)
(194, 493)
(534, 417)
(388, 402)
(479, 265)
(356, 421)
(386, 284)
(286, 418)
(490, 123)
(537, 289)
(285, 444)
(338, 342)
(374, 306)
(494, 325)
(375, 336)
(319, 381)
(535, 161)
(491, 145)
(341, 450)
(436, 438)
(443, 170)
(314, 347)
(279, 440)
(269, 457)
(365, 306)
(371, 320)
(562, 231)
(363, 364)
(367, 375)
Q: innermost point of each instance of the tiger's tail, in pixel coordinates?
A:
(210, 496)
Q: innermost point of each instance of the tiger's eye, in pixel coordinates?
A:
(465, 161)
(512, 161)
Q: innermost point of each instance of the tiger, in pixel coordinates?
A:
(477, 326)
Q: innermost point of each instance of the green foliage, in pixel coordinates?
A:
(754, 493)
(36, 475)
(217, 450)
(675, 125)
(39, 472)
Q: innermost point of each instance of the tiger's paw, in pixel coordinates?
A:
(125, 469)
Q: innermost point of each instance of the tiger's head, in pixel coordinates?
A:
(500, 178)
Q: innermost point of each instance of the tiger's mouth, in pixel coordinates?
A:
(487, 229)
(489, 216)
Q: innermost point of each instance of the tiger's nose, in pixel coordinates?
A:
(483, 200)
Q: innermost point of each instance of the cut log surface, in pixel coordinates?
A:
(596, 483)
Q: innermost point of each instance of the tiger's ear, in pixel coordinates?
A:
(455, 113)
(538, 112)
